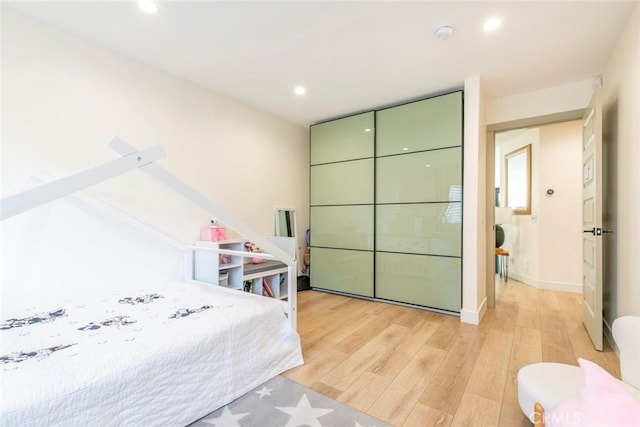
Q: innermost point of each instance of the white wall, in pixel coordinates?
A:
(560, 215)
(474, 294)
(63, 98)
(621, 100)
(556, 99)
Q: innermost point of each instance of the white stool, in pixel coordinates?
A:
(547, 384)
(550, 383)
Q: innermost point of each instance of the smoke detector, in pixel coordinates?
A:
(444, 32)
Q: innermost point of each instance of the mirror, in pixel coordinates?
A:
(517, 171)
(285, 222)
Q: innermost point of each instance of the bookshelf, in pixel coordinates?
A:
(220, 269)
(233, 272)
(273, 273)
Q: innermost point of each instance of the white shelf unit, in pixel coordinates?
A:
(273, 272)
(208, 265)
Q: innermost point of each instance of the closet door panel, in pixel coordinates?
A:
(345, 183)
(348, 227)
(430, 228)
(422, 125)
(418, 279)
(431, 176)
(342, 271)
(344, 139)
(386, 203)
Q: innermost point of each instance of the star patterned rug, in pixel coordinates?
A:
(281, 402)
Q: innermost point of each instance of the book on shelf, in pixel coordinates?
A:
(248, 286)
(266, 289)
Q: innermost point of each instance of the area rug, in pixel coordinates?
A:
(281, 402)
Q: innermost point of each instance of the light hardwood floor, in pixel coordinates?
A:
(410, 367)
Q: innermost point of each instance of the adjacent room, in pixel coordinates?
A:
(318, 213)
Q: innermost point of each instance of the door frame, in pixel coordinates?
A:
(492, 129)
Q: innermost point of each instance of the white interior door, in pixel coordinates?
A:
(592, 220)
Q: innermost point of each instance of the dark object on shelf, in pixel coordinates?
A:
(303, 283)
(499, 236)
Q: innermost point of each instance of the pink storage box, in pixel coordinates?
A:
(213, 233)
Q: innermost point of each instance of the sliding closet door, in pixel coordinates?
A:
(341, 199)
(418, 231)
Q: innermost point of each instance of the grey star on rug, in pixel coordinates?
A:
(281, 402)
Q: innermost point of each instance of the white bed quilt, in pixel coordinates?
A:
(163, 355)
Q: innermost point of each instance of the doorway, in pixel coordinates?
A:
(543, 235)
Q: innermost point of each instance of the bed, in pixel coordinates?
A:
(154, 353)
(164, 355)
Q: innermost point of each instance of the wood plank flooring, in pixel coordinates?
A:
(410, 367)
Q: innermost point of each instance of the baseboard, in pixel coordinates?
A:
(575, 288)
(527, 280)
(473, 317)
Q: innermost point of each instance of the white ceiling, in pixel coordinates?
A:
(351, 56)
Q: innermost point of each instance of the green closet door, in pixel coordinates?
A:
(420, 279)
(344, 139)
(344, 183)
(430, 176)
(347, 227)
(342, 271)
(421, 125)
(341, 198)
(386, 203)
(419, 202)
(420, 228)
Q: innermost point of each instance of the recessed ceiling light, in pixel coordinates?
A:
(148, 6)
(367, 130)
(444, 32)
(405, 148)
(299, 90)
(492, 24)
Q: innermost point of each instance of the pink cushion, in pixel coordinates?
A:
(603, 402)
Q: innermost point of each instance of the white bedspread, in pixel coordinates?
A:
(163, 355)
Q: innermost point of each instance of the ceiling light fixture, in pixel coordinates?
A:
(148, 6)
(444, 32)
(299, 90)
(492, 24)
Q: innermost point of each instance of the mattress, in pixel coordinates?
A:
(164, 355)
